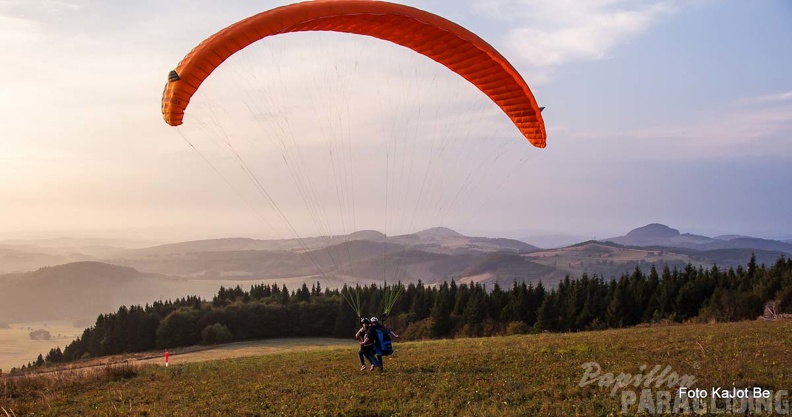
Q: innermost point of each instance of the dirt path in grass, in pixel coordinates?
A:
(202, 353)
(244, 349)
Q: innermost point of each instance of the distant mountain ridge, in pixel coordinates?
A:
(656, 234)
(432, 256)
(75, 290)
(359, 255)
(653, 231)
(437, 233)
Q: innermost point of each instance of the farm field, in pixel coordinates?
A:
(17, 348)
(543, 374)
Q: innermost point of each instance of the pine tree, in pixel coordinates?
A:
(752, 267)
(575, 303)
(422, 306)
(283, 296)
(441, 314)
(54, 356)
(652, 298)
(303, 294)
(461, 299)
(668, 293)
(517, 305)
(614, 315)
(547, 316)
(534, 299)
(497, 301)
(346, 321)
(475, 312)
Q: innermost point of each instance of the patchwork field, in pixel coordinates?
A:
(17, 348)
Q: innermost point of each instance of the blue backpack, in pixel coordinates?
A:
(383, 344)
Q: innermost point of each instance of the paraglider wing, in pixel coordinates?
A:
(433, 36)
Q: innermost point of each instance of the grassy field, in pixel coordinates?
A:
(595, 258)
(17, 349)
(511, 376)
(251, 348)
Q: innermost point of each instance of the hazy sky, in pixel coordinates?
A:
(678, 112)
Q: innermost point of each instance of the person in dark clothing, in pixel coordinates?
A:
(367, 347)
(360, 336)
(375, 326)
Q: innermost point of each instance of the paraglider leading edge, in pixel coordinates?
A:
(445, 42)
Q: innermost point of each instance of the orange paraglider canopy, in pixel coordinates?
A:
(433, 36)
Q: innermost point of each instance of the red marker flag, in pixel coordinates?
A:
(167, 355)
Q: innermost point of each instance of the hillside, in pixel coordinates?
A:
(354, 255)
(131, 276)
(78, 290)
(432, 255)
(60, 292)
(29, 255)
(656, 234)
(543, 374)
(440, 254)
(14, 259)
(506, 268)
(360, 256)
(611, 260)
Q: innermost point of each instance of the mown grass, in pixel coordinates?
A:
(510, 376)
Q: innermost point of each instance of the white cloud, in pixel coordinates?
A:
(15, 29)
(731, 132)
(555, 32)
(768, 98)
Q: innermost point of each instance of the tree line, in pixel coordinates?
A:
(441, 311)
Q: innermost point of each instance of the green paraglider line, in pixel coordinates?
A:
(390, 296)
(353, 299)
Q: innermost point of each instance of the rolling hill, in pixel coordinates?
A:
(79, 290)
(656, 234)
(363, 255)
(127, 276)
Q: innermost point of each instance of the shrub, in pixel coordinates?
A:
(179, 328)
(39, 334)
(216, 334)
(420, 330)
(516, 327)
